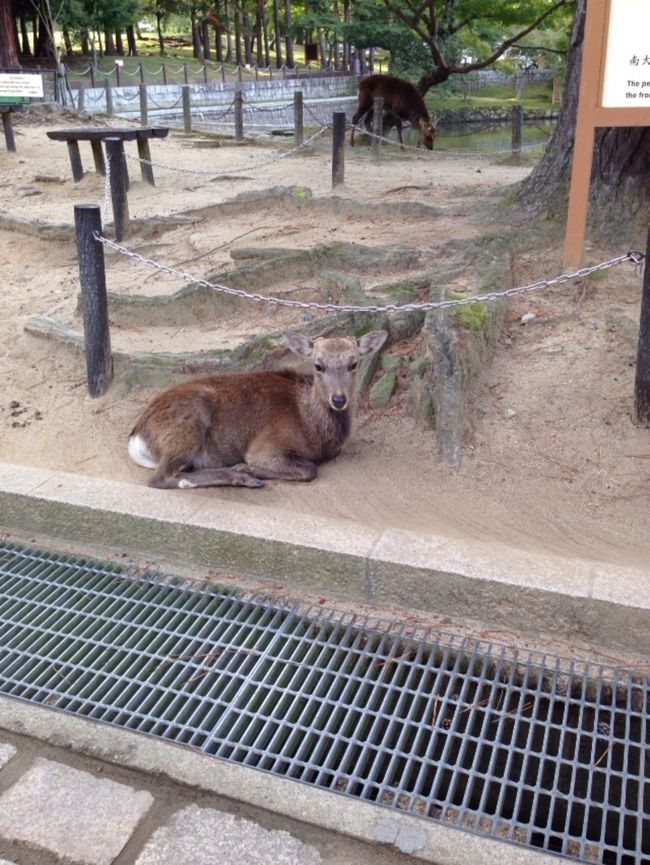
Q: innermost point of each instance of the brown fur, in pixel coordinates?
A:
(401, 100)
(238, 428)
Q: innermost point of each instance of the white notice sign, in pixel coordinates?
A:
(20, 84)
(626, 78)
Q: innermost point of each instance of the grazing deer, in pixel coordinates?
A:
(401, 100)
(241, 428)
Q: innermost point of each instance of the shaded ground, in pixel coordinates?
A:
(553, 461)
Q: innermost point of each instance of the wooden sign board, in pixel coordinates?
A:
(614, 91)
(16, 87)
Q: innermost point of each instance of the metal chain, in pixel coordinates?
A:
(239, 168)
(636, 257)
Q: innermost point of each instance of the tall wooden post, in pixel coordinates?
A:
(187, 108)
(338, 148)
(377, 126)
(642, 380)
(81, 96)
(517, 128)
(144, 111)
(8, 130)
(239, 115)
(298, 124)
(109, 98)
(92, 276)
(119, 186)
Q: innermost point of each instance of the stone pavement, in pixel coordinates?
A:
(57, 806)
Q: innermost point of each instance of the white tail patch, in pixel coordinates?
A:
(140, 453)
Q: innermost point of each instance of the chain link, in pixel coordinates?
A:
(239, 168)
(635, 257)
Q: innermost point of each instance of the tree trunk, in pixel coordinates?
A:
(276, 27)
(8, 43)
(620, 180)
(288, 42)
(109, 43)
(131, 41)
(26, 50)
(259, 41)
(119, 43)
(161, 38)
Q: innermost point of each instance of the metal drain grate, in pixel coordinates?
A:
(533, 749)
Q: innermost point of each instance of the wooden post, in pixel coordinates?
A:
(187, 108)
(118, 82)
(144, 111)
(146, 167)
(92, 277)
(223, 73)
(119, 186)
(164, 68)
(517, 128)
(8, 129)
(109, 98)
(141, 73)
(239, 114)
(92, 76)
(185, 73)
(338, 148)
(75, 161)
(81, 96)
(205, 72)
(298, 125)
(98, 157)
(377, 125)
(642, 380)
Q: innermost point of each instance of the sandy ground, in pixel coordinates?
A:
(553, 462)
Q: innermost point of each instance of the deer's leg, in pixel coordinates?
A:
(226, 476)
(170, 475)
(283, 468)
(398, 124)
(269, 459)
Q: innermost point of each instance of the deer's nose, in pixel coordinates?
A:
(339, 401)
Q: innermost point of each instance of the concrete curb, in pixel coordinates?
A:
(422, 839)
(497, 586)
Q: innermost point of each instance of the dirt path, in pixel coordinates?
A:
(553, 462)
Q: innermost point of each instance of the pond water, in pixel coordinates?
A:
(486, 137)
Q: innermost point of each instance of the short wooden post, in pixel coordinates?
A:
(239, 114)
(92, 76)
(98, 157)
(185, 73)
(377, 126)
(75, 160)
(118, 82)
(141, 73)
(81, 96)
(223, 73)
(92, 277)
(119, 186)
(109, 98)
(187, 108)
(517, 128)
(146, 166)
(239, 72)
(8, 129)
(205, 72)
(642, 380)
(298, 125)
(338, 148)
(144, 110)
(164, 68)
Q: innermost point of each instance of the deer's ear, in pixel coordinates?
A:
(298, 344)
(372, 342)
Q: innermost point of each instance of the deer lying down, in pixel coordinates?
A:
(241, 428)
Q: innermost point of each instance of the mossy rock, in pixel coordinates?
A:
(382, 390)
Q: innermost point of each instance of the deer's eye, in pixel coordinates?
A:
(318, 367)
(353, 365)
